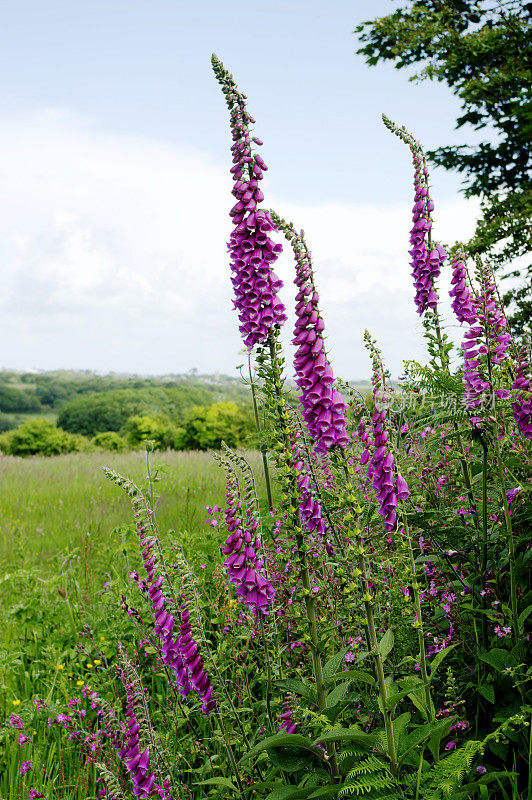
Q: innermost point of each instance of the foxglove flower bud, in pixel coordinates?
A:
(522, 396)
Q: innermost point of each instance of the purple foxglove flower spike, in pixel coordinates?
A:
(522, 395)
(322, 405)
(309, 506)
(243, 550)
(426, 258)
(197, 673)
(252, 251)
(288, 722)
(486, 334)
(462, 303)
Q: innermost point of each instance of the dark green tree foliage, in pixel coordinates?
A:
(17, 400)
(483, 51)
(109, 411)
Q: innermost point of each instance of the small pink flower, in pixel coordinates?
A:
(25, 767)
(22, 739)
(450, 745)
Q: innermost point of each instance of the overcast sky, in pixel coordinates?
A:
(114, 182)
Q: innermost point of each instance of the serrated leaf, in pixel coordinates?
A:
(499, 659)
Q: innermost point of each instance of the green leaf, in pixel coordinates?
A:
(522, 617)
(435, 663)
(354, 675)
(289, 751)
(386, 644)
(337, 694)
(298, 687)
(440, 731)
(286, 793)
(487, 691)
(218, 782)
(348, 735)
(499, 659)
(331, 666)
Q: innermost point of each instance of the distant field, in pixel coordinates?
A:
(49, 504)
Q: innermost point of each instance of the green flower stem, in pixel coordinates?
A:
(367, 599)
(362, 573)
(419, 621)
(263, 451)
(511, 546)
(268, 674)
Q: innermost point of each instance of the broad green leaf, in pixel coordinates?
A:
(386, 644)
(487, 691)
(353, 675)
(348, 735)
(439, 657)
(499, 659)
(331, 666)
(522, 617)
(440, 731)
(279, 740)
(218, 782)
(299, 687)
(337, 694)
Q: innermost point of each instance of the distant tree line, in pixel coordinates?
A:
(113, 414)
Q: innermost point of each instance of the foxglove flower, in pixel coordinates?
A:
(251, 249)
(309, 506)
(242, 548)
(381, 470)
(426, 259)
(462, 302)
(522, 396)
(288, 722)
(322, 405)
(135, 761)
(197, 673)
(476, 383)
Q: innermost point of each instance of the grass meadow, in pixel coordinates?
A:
(67, 547)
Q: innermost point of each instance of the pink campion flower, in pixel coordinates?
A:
(25, 767)
(450, 745)
(34, 794)
(503, 631)
(16, 722)
(22, 739)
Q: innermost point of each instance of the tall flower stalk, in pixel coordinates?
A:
(252, 251)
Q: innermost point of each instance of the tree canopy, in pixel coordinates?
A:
(482, 50)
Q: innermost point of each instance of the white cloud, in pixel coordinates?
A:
(113, 256)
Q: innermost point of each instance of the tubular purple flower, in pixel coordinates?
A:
(426, 259)
(309, 506)
(462, 303)
(522, 395)
(288, 722)
(381, 470)
(322, 405)
(198, 675)
(242, 548)
(251, 249)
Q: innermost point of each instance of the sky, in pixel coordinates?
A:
(115, 184)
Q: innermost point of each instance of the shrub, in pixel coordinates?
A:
(109, 440)
(41, 437)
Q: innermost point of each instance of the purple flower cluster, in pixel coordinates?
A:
(136, 762)
(491, 322)
(322, 405)
(522, 397)
(381, 470)
(252, 251)
(309, 506)
(192, 659)
(476, 383)
(462, 303)
(288, 722)
(164, 620)
(242, 548)
(426, 260)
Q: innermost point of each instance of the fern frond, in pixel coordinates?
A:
(369, 778)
